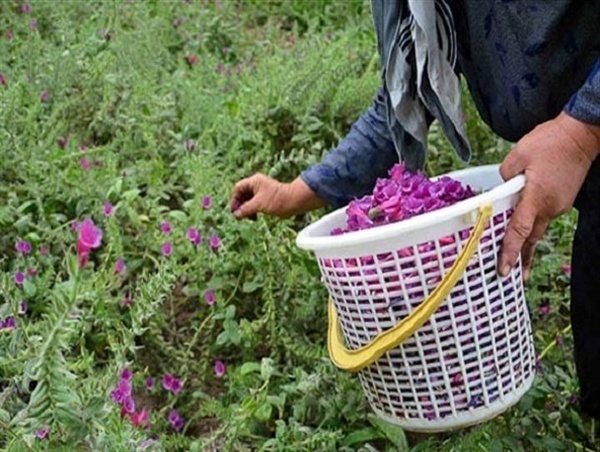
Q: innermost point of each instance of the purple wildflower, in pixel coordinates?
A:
(33, 24)
(44, 96)
(128, 405)
(149, 383)
(44, 250)
(194, 236)
(176, 420)
(167, 249)
(165, 227)
(215, 242)
(544, 309)
(26, 8)
(126, 374)
(209, 297)
(23, 247)
(3, 81)
(220, 368)
(107, 209)
(23, 307)
(120, 266)
(42, 433)
(172, 383)
(8, 323)
(85, 164)
(206, 202)
(19, 278)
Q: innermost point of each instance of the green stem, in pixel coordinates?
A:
(552, 344)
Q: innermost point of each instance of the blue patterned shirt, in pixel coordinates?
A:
(524, 63)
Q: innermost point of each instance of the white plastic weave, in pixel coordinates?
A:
(474, 358)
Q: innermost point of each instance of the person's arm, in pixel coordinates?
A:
(350, 170)
(555, 158)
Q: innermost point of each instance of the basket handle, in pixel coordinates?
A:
(356, 360)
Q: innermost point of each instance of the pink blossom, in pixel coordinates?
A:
(3, 81)
(85, 163)
(107, 209)
(566, 269)
(42, 433)
(33, 24)
(206, 202)
(220, 368)
(544, 309)
(23, 247)
(44, 250)
(215, 242)
(209, 297)
(167, 249)
(194, 236)
(19, 278)
(172, 383)
(140, 419)
(165, 227)
(90, 236)
(44, 96)
(120, 266)
(26, 8)
(175, 420)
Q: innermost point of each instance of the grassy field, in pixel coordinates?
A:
(132, 114)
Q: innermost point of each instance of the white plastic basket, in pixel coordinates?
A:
(438, 339)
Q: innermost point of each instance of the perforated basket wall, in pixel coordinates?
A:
(472, 360)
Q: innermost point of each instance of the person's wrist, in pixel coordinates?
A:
(586, 136)
(300, 198)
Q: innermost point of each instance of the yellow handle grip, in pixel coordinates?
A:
(356, 360)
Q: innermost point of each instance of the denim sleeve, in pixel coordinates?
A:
(351, 169)
(585, 103)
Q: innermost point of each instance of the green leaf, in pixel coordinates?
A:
(362, 436)
(267, 368)
(263, 412)
(392, 432)
(248, 368)
(4, 416)
(29, 287)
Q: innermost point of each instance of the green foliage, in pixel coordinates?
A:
(151, 106)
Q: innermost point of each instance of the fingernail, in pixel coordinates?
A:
(526, 275)
(505, 270)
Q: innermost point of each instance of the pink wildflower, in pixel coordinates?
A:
(215, 242)
(206, 202)
(85, 164)
(209, 297)
(120, 266)
(42, 433)
(194, 236)
(19, 278)
(165, 227)
(172, 383)
(167, 249)
(220, 368)
(107, 209)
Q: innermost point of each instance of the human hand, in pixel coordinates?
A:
(263, 194)
(555, 158)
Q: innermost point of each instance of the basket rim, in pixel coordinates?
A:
(308, 239)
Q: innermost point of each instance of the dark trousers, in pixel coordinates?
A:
(585, 293)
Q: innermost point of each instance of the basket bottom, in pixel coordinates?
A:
(466, 419)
